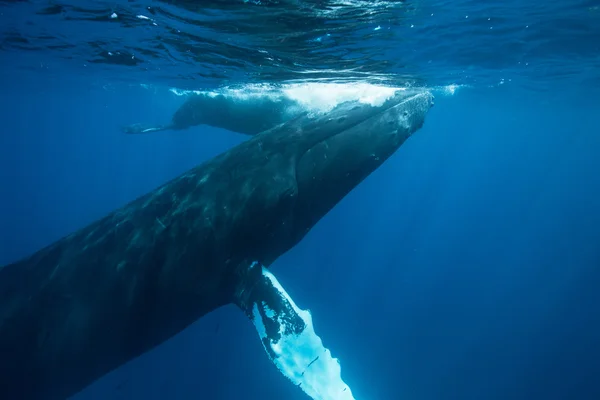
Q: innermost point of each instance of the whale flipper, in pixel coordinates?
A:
(288, 336)
(145, 128)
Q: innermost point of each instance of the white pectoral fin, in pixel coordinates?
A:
(289, 339)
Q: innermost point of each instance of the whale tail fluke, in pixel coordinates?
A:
(288, 336)
(144, 128)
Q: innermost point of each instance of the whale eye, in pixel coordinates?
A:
(341, 119)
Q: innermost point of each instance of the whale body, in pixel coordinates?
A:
(248, 116)
(90, 302)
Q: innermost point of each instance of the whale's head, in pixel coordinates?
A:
(352, 141)
(281, 182)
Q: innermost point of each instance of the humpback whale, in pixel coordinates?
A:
(242, 115)
(88, 303)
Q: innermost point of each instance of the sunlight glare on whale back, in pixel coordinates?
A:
(314, 97)
(323, 97)
(300, 356)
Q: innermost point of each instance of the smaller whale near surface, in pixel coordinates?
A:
(248, 116)
(90, 302)
(250, 110)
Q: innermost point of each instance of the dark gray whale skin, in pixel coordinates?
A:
(94, 300)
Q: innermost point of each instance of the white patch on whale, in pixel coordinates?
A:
(301, 357)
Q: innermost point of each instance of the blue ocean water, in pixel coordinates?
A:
(466, 267)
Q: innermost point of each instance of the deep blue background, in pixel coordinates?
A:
(466, 267)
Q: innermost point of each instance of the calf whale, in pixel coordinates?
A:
(250, 110)
(90, 302)
(248, 116)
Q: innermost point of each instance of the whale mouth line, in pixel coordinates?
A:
(350, 153)
(384, 110)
